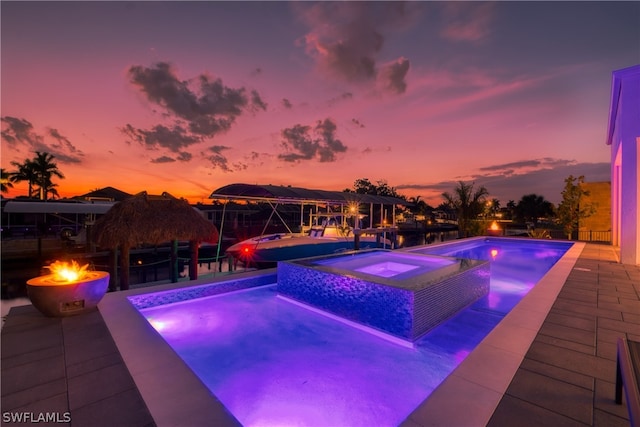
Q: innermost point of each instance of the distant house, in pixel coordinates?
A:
(623, 136)
(445, 216)
(235, 215)
(106, 194)
(597, 227)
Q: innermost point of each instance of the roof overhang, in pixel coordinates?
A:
(616, 93)
(57, 207)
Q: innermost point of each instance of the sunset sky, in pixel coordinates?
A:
(187, 97)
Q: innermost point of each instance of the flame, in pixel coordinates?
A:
(64, 271)
(494, 226)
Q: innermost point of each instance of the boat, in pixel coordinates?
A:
(339, 228)
(329, 238)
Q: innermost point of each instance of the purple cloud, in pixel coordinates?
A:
(345, 40)
(301, 142)
(198, 109)
(20, 134)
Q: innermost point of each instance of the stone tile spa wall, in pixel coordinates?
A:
(407, 312)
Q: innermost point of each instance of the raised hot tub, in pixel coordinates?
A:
(402, 294)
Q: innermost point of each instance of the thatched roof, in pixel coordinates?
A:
(146, 219)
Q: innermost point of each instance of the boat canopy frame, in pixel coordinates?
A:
(283, 195)
(295, 195)
(278, 195)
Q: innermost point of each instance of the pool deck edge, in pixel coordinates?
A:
(173, 393)
(480, 381)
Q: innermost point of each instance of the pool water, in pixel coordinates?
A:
(272, 362)
(516, 264)
(399, 265)
(387, 269)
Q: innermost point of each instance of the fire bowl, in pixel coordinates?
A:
(60, 299)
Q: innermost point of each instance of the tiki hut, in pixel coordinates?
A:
(147, 219)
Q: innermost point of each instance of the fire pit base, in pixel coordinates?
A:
(55, 299)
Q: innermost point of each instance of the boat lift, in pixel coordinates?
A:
(277, 195)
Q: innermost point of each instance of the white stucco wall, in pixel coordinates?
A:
(624, 137)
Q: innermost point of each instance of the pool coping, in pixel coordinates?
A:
(472, 392)
(174, 395)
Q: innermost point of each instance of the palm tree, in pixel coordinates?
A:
(25, 172)
(511, 207)
(531, 207)
(5, 181)
(45, 169)
(494, 207)
(420, 206)
(468, 204)
(50, 188)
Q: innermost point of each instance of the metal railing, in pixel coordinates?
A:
(594, 236)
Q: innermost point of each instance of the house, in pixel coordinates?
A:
(109, 194)
(623, 135)
(597, 227)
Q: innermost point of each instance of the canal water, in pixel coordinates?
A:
(146, 266)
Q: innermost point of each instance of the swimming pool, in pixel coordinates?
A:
(475, 324)
(516, 264)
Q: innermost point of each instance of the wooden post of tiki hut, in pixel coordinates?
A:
(146, 219)
(113, 274)
(174, 261)
(193, 260)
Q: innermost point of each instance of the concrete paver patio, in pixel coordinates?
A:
(568, 375)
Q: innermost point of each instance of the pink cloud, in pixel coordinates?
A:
(20, 136)
(345, 40)
(467, 22)
(445, 92)
(392, 76)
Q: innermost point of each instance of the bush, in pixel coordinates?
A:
(539, 233)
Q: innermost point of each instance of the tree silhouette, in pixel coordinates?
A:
(468, 203)
(39, 173)
(493, 207)
(381, 188)
(5, 181)
(46, 169)
(25, 172)
(511, 208)
(420, 206)
(572, 207)
(531, 207)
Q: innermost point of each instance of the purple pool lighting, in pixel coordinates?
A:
(386, 269)
(516, 264)
(272, 362)
(383, 263)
